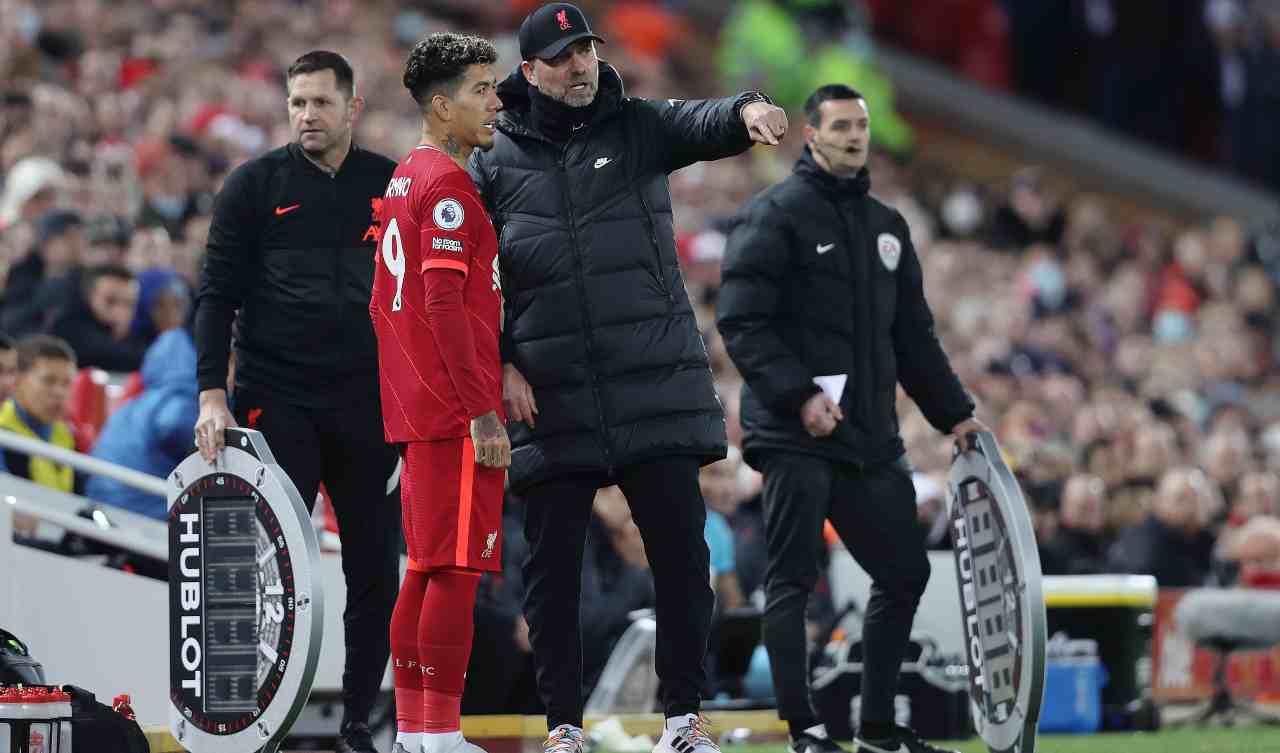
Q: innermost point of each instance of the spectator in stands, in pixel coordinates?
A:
(1169, 543)
(107, 238)
(38, 409)
(41, 282)
(164, 301)
(96, 323)
(1259, 494)
(1228, 455)
(1078, 545)
(1255, 549)
(1032, 215)
(152, 432)
(8, 366)
(720, 490)
(1154, 451)
(30, 190)
(167, 200)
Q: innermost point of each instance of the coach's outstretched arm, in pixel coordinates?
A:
(697, 130)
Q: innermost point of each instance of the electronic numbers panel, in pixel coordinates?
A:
(245, 603)
(1001, 601)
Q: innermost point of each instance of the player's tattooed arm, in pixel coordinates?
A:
(489, 436)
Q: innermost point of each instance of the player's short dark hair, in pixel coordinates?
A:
(32, 348)
(437, 64)
(813, 105)
(324, 60)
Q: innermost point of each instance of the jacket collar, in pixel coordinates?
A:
(515, 120)
(808, 169)
(295, 151)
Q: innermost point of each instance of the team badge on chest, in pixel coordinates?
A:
(890, 249)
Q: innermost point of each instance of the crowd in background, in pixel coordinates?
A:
(1128, 367)
(1199, 77)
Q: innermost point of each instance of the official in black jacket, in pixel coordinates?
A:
(290, 261)
(822, 309)
(606, 378)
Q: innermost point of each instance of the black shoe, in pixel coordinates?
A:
(903, 740)
(811, 744)
(355, 737)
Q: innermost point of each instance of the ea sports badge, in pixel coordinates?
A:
(1001, 598)
(890, 249)
(246, 605)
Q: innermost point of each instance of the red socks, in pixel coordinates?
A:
(430, 653)
(404, 651)
(445, 629)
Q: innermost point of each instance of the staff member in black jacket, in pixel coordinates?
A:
(820, 282)
(606, 378)
(290, 260)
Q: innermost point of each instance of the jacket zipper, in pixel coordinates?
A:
(857, 272)
(586, 306)
(335, 196)
(657, 250)
(868, 336)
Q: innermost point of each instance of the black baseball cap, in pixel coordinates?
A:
(548, 30)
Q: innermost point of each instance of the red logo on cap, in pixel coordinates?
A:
(563, 18)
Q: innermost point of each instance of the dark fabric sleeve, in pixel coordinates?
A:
(923, 367)
(755, 261)
(230, 255)
(695, 130)
(479, 170)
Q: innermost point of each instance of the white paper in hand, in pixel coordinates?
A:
(833, 385)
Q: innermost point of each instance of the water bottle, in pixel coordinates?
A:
(9, 709)
(40, 735)
(61, 704)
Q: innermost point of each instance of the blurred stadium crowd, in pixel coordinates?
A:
(1127, 363)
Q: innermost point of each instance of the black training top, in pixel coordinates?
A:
(290, 259)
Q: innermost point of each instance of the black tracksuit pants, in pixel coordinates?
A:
(667, 506)
(342, 444)
(874, 512)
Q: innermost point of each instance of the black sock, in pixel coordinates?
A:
(875, 731)
(798, 726)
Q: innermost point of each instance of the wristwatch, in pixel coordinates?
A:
(748, 98)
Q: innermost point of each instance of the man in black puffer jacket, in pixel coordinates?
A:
(822, 309)
(606, 378)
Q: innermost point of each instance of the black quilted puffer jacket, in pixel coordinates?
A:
(596, 314)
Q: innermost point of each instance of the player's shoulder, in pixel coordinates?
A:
(435, 171)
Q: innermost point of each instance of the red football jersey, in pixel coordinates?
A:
(432, 220)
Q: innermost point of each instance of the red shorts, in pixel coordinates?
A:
(451, 507)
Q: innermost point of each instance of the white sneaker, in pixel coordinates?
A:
(452, 744)
(692, 735)
(564, 739)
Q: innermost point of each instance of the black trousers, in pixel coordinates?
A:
(667, 506)
(342, 445)
(874, 512)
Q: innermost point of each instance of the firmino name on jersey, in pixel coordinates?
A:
(398, 187)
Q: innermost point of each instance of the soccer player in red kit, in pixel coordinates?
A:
(437, 311)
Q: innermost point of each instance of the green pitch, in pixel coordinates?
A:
(1213, 740)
